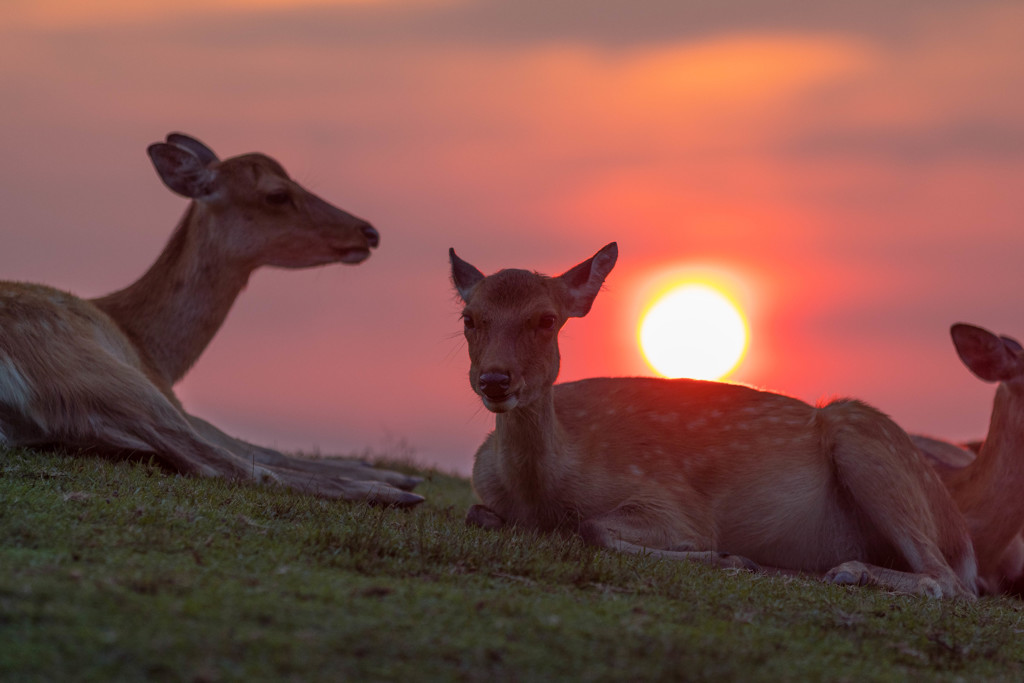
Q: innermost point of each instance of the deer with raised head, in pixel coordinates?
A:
(987, 486)
(693, 470)
(97, 375)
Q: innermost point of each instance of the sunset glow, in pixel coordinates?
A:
(695, 331)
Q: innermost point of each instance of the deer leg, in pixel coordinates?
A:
(375, 492)
(909, 508)
(126, 413)
(709, 557)
(1012, 569)
(856, 573)
(634, 530)
(305, 475)
(110, 406)
(346, 468)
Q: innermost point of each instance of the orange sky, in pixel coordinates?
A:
(856, 170)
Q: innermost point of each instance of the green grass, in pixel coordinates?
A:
(121, 572)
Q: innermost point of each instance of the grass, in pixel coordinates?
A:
(116, 571)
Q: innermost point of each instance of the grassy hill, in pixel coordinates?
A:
(121, 572)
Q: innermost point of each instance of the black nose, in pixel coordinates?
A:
(494, 385)
(372, 236)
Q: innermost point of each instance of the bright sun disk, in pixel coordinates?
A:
(694, 330)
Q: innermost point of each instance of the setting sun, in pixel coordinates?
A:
(693, 330)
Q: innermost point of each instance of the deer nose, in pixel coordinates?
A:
(494, 385)
(371, 234)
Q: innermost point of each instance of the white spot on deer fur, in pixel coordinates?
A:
(636, 471)
(14, 390)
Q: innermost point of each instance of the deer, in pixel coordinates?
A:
(96, 376)
(681, 469)
(985, 479)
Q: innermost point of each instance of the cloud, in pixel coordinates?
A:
(965, 140)
(944, 96)
(617, 25)
(63, 15)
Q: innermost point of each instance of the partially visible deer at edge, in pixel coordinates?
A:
(97, 375)
(692, 470)
(989, 487)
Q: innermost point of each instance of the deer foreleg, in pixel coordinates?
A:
(345, 479)
(639, 531)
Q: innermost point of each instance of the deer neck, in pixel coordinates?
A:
(1001, 457)
(173, 311)
(534, 448)
(988, 492)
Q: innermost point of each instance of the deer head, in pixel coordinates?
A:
(269, 218)
(512, 319)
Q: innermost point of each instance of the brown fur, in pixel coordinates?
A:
(98, 375)
(685, 469)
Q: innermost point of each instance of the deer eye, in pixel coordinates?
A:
(547, 322)
(467, 320)
(277, 198)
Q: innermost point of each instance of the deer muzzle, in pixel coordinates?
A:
(494, 385)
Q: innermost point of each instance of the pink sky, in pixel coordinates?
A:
(856, 170)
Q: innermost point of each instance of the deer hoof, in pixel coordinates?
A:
(262, 475)
(730, 561)
(408, 500)
(483, 517)
(930, 588)
(849, 574)
(393, 497)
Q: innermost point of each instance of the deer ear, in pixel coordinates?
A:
(182, 171)
(205, 154)
(584, 281)
(1012, 343)
(464, 276)
(991, 358)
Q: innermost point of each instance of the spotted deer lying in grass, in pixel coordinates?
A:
(987, 487)
(693, 470)
(97, 375)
